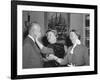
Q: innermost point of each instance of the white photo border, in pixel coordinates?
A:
(52, 70)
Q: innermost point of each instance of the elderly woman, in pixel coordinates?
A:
(58, 49)
(77, 54)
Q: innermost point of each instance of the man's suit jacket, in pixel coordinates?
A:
(31, 55)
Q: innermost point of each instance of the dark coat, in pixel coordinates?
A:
(31, 55)
(58, 51)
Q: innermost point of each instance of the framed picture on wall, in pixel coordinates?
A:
(53, 39)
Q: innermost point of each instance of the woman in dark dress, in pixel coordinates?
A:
(58, 49)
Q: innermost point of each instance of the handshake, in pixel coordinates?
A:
(53, 57)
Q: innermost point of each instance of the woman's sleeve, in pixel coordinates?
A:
(65, 60)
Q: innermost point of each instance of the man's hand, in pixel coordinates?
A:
(51, 57)
(44, 59)
(59, 60)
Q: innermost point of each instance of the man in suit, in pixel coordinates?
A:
(32, 57)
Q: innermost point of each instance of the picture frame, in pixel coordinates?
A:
(17, 8)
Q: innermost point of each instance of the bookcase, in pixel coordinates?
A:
(86, 30)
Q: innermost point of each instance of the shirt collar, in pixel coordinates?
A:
(31, 38)
(78, 42)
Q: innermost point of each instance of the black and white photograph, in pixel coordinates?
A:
(53, 39)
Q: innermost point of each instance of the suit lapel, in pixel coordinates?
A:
(34, 45)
